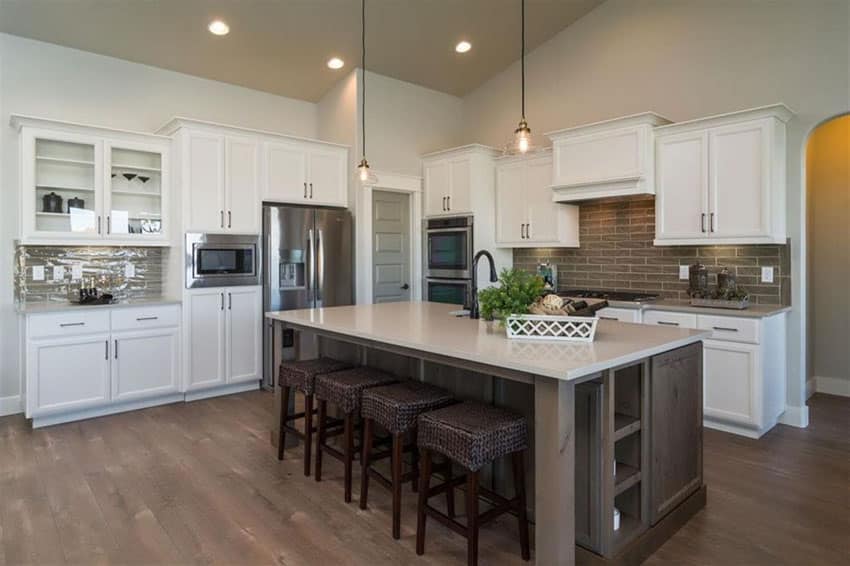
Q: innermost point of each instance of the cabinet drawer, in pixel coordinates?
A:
(67, 323)
(730, 328)
(665, 318)
(138, 318)
(623, 315)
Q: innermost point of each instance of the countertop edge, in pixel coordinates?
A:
(754, 311)
(42, 308)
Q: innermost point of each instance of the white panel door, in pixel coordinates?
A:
(682, 186)
(437, 187)
(244, 319)
(243, 185)
(731, 381)
(511, 206)
(327, 177)
(145, 363)
(542, 212)
(65, 374)
(460, 196)
(285, 173)
(206, 338)
(204, 172)
(739, 176)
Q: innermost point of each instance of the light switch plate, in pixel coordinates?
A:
(38, 273)
(129, 270)
(683, 272)
(76, 272)
(58, 272)
(767, 274)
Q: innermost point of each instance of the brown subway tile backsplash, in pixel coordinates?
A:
(617, 253)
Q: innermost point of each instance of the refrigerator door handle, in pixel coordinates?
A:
(320, 266)
(311, 265)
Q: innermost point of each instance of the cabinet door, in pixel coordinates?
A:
(682, 186)
(739, 175)
(285, 173)
(542, 212)
(244, 319)
(204, 181)
(676, 451)
(243, 206)
(206, 338)
(327, 181)
(510, 204)
(66, 374)
(732, 382)
(145, 363)
(460, 197)
(136, 192)
(437, 187)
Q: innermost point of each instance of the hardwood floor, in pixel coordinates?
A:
(199, 483)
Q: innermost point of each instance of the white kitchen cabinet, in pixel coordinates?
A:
(619, 314)
(110, 187)
(721, 180)
(526, 216)
(605, 159)
(731, 373)
(223, 336)
(242, 185)
(665, 318)
(145, 363)
(327, 168)
(298, 172)
(449, 182)
(285, 172)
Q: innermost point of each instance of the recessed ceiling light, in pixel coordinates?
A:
(463, 47)
(218, 27)
(335, 63)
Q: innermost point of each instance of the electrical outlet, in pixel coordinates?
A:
(38, 273)
(684, 273)
(76, 272)
(58, 273)
(129, 270)
(767, 274)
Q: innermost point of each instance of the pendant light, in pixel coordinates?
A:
(366, 175)
(521, 142)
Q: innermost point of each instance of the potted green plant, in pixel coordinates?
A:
(517, 290)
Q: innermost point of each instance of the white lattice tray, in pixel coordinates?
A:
(540, 327)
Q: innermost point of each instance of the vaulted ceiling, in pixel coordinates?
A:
(282, 46)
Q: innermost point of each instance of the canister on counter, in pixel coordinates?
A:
(698, 280)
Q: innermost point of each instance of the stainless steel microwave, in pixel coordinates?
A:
(222, 260)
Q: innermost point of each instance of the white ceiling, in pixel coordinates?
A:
(281, 46)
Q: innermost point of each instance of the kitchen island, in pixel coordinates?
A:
(630, 399)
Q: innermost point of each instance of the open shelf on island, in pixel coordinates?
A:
(624, 425)
(626, 477)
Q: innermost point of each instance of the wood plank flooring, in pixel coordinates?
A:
(199, 483)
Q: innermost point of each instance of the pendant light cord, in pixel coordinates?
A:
(523, 59)
(363, 66)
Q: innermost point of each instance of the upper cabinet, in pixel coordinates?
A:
(721, 180)
(605, 159)
(525, 213)
(93, 185)
(455, 178)
(301, 172)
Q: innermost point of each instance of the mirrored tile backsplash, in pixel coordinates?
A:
(103, 267)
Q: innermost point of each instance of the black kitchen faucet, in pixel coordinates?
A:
(473, 307)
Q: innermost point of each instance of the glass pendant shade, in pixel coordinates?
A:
(522, 137)
(365, 174)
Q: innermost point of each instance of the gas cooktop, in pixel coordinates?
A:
(624, 296)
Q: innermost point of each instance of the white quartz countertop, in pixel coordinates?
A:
(34, 308)
(753, 311)
(429, 327)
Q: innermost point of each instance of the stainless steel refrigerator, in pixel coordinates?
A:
(308, 264)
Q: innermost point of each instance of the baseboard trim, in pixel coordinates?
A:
(795, 416)
(811, 387)
(10, 405)
(50, 420)
(223, 390)
(832, 385)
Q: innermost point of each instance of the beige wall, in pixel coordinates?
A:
(686, 59)
(828, 182)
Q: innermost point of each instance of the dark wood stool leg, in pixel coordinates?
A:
(308, 432)
(424, 485)
(450, 493)
(398, 444)
(348, 452)
(322, 437)
(284, 413)
(522, 514)
(414, 462)
(472, 518)
(365, 462)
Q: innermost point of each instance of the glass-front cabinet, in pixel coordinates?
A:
(87, 185)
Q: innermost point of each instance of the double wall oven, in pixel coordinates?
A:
(448, 255)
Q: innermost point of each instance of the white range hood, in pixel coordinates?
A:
(612, 158)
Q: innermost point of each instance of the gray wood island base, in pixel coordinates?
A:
(616, 423)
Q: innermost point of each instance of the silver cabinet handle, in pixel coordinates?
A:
(229, 301)
(702, 223)
(67, 324)
(528, 231)
(98, 224)
(221, 218)
(106, 349)
(229, 219)
(724, 329)
(311, 190)
(522, 231)
(449, 203)
(668, 323)
(141, 318)
(222, 301)
(108, 224)
(305, 189)
(444, 204)
(711, 222)
(116, 349)
(608, 318)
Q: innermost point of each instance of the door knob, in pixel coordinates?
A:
(405, 286)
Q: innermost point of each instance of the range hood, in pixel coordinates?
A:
(612, 158)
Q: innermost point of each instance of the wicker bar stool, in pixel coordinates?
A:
(395, 408)
(301, 376)
(472, 434)
(344, 389)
